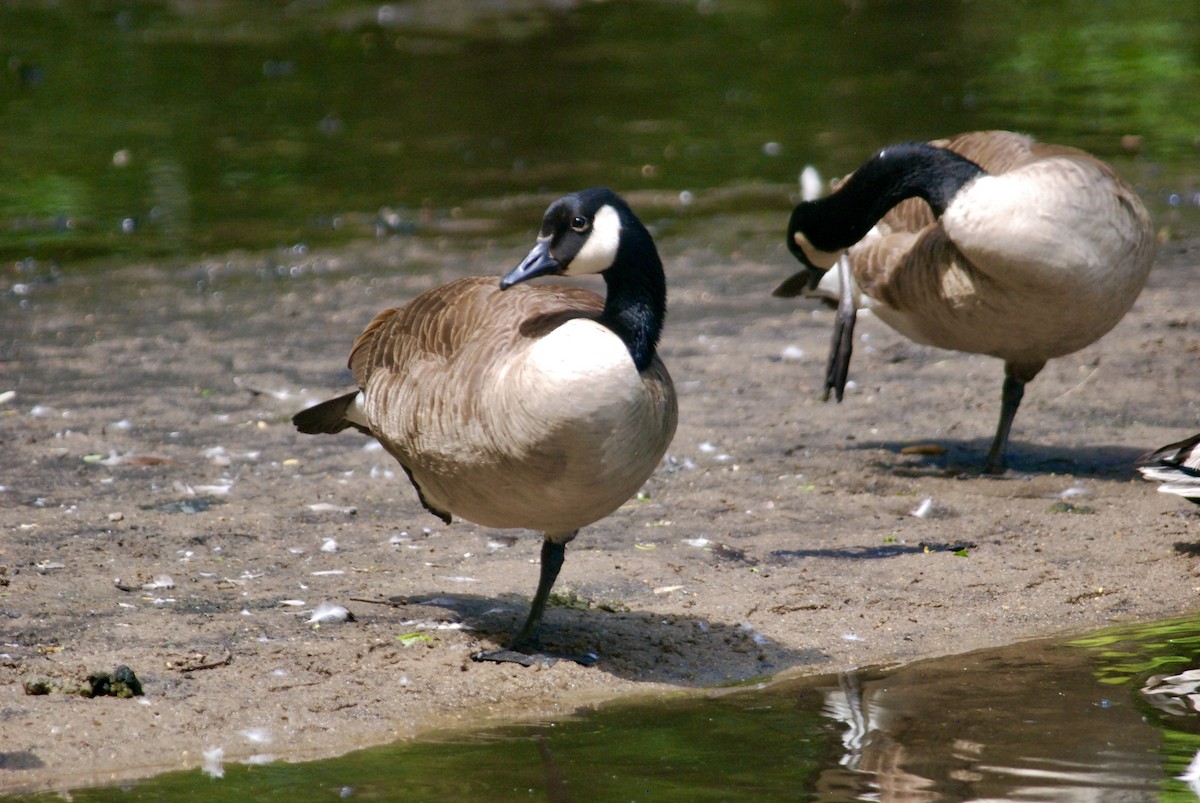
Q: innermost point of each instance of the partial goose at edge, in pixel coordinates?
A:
(1177, 467)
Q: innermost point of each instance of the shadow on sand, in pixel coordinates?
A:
(634, 645)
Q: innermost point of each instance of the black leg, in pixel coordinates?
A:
(837, 370)
(523, 649)
(552, 561)
(1010, 400)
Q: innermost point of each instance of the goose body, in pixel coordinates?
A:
(1177, 467)
(988, 243)
(524, 406)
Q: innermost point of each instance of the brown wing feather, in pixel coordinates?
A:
(438, 324)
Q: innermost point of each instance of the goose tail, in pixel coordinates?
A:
(331, 416)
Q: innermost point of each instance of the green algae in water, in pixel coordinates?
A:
(1021, 722)
(1131, 653)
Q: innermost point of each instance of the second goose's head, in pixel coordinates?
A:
(581, 233)
(819, 231)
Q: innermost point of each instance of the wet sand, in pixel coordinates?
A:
(159, 510)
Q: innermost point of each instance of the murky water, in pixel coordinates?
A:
(139, 129)
(1111, 716)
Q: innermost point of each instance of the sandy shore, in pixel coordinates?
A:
(159, 511)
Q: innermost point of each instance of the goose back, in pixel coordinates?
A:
(1050, 237)
(514, 408)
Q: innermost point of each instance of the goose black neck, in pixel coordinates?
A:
(908, 170)
(635, 304)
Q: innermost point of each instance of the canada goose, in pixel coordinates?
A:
(515, 405)
(1177, 466)
(1021, 250)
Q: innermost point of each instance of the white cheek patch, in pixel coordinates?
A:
(600, 250)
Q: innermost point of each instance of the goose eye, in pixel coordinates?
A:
(579, 223)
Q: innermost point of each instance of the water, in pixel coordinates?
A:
(144, 129)
(1092, 719)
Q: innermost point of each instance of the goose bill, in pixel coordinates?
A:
(538, 262)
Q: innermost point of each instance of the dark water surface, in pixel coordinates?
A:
(1105, 717)
(143, 129)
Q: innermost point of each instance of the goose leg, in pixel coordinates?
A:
(842, 345)
(523, 649)
(1010, 400)
(1016, 376)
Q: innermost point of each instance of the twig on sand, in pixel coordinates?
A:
(387, 602)
(197, 662)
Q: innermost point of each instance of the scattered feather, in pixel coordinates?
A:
(212, 762)
(325, 507)
(679, 463)
(329, 612)
(295, 603)
(925, 509)
(792, 353)
(159, 581)
(329, 545)
(699, 543)
(257, 735)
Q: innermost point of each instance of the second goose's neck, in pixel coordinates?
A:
(635, 305)
(897, 172)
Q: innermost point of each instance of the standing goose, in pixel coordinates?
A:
(1020, 250)
(515, 405)
(1177, 466)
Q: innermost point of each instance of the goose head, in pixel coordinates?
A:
(580, 234)
(595, 231)
(820, 231)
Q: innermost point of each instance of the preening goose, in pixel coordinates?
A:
(515, 405)
(1177, 467)
(1005, 246)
